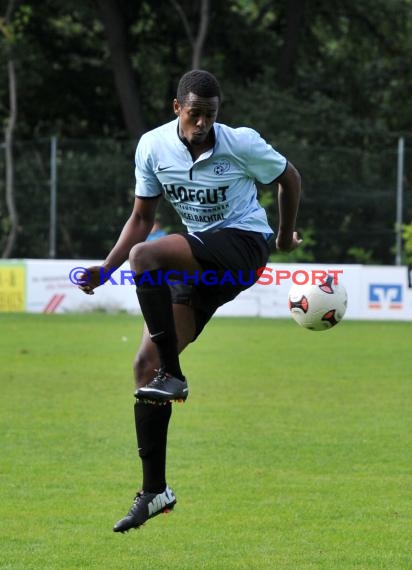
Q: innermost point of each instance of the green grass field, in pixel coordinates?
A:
(293, 450)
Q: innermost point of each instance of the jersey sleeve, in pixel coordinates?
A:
(147, 184)
(264, 163)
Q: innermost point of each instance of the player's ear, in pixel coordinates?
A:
(176, 107)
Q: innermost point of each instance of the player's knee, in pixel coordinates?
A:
(139, 257)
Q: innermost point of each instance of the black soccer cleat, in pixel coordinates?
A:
(164, 387)
(146, 506)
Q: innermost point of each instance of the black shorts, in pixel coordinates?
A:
(231, 258)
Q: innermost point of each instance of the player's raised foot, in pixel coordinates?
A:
(146, 506)
(164, 387)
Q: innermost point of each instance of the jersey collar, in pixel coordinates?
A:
(215, 135)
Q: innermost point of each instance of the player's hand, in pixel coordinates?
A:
(288, 243)
(90, 279)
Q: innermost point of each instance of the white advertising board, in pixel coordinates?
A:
(374, 292)
(386, 293)
(50, 289)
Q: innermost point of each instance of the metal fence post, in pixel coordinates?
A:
(399, 200)
(53, 197)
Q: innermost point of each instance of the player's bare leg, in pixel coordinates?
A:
(146, 259)
(152, 420)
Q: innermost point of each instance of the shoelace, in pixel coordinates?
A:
(136, 500)
(159, 379)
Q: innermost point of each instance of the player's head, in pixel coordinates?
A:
(199, 82)
(197, 104)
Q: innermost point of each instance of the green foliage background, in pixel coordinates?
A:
(336, 110)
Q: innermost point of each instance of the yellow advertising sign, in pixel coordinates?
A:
(12, 287)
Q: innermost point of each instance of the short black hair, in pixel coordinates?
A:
(200, 82)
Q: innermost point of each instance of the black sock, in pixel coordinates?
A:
(156, 304)
(152, 421)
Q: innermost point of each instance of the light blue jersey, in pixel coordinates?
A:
(217, 190)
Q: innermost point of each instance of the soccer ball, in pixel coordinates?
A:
(318, 307)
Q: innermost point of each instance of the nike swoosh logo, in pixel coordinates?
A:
(153, 336)
(160, 168)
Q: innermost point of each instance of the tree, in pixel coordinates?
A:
(196, 40)
(11, 32)
(112, 14)
(294, 22)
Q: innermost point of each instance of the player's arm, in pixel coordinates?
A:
(289, 190)
(135, 230)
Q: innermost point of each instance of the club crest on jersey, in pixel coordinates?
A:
(221, 166)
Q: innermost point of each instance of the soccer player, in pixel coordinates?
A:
(207, 171)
